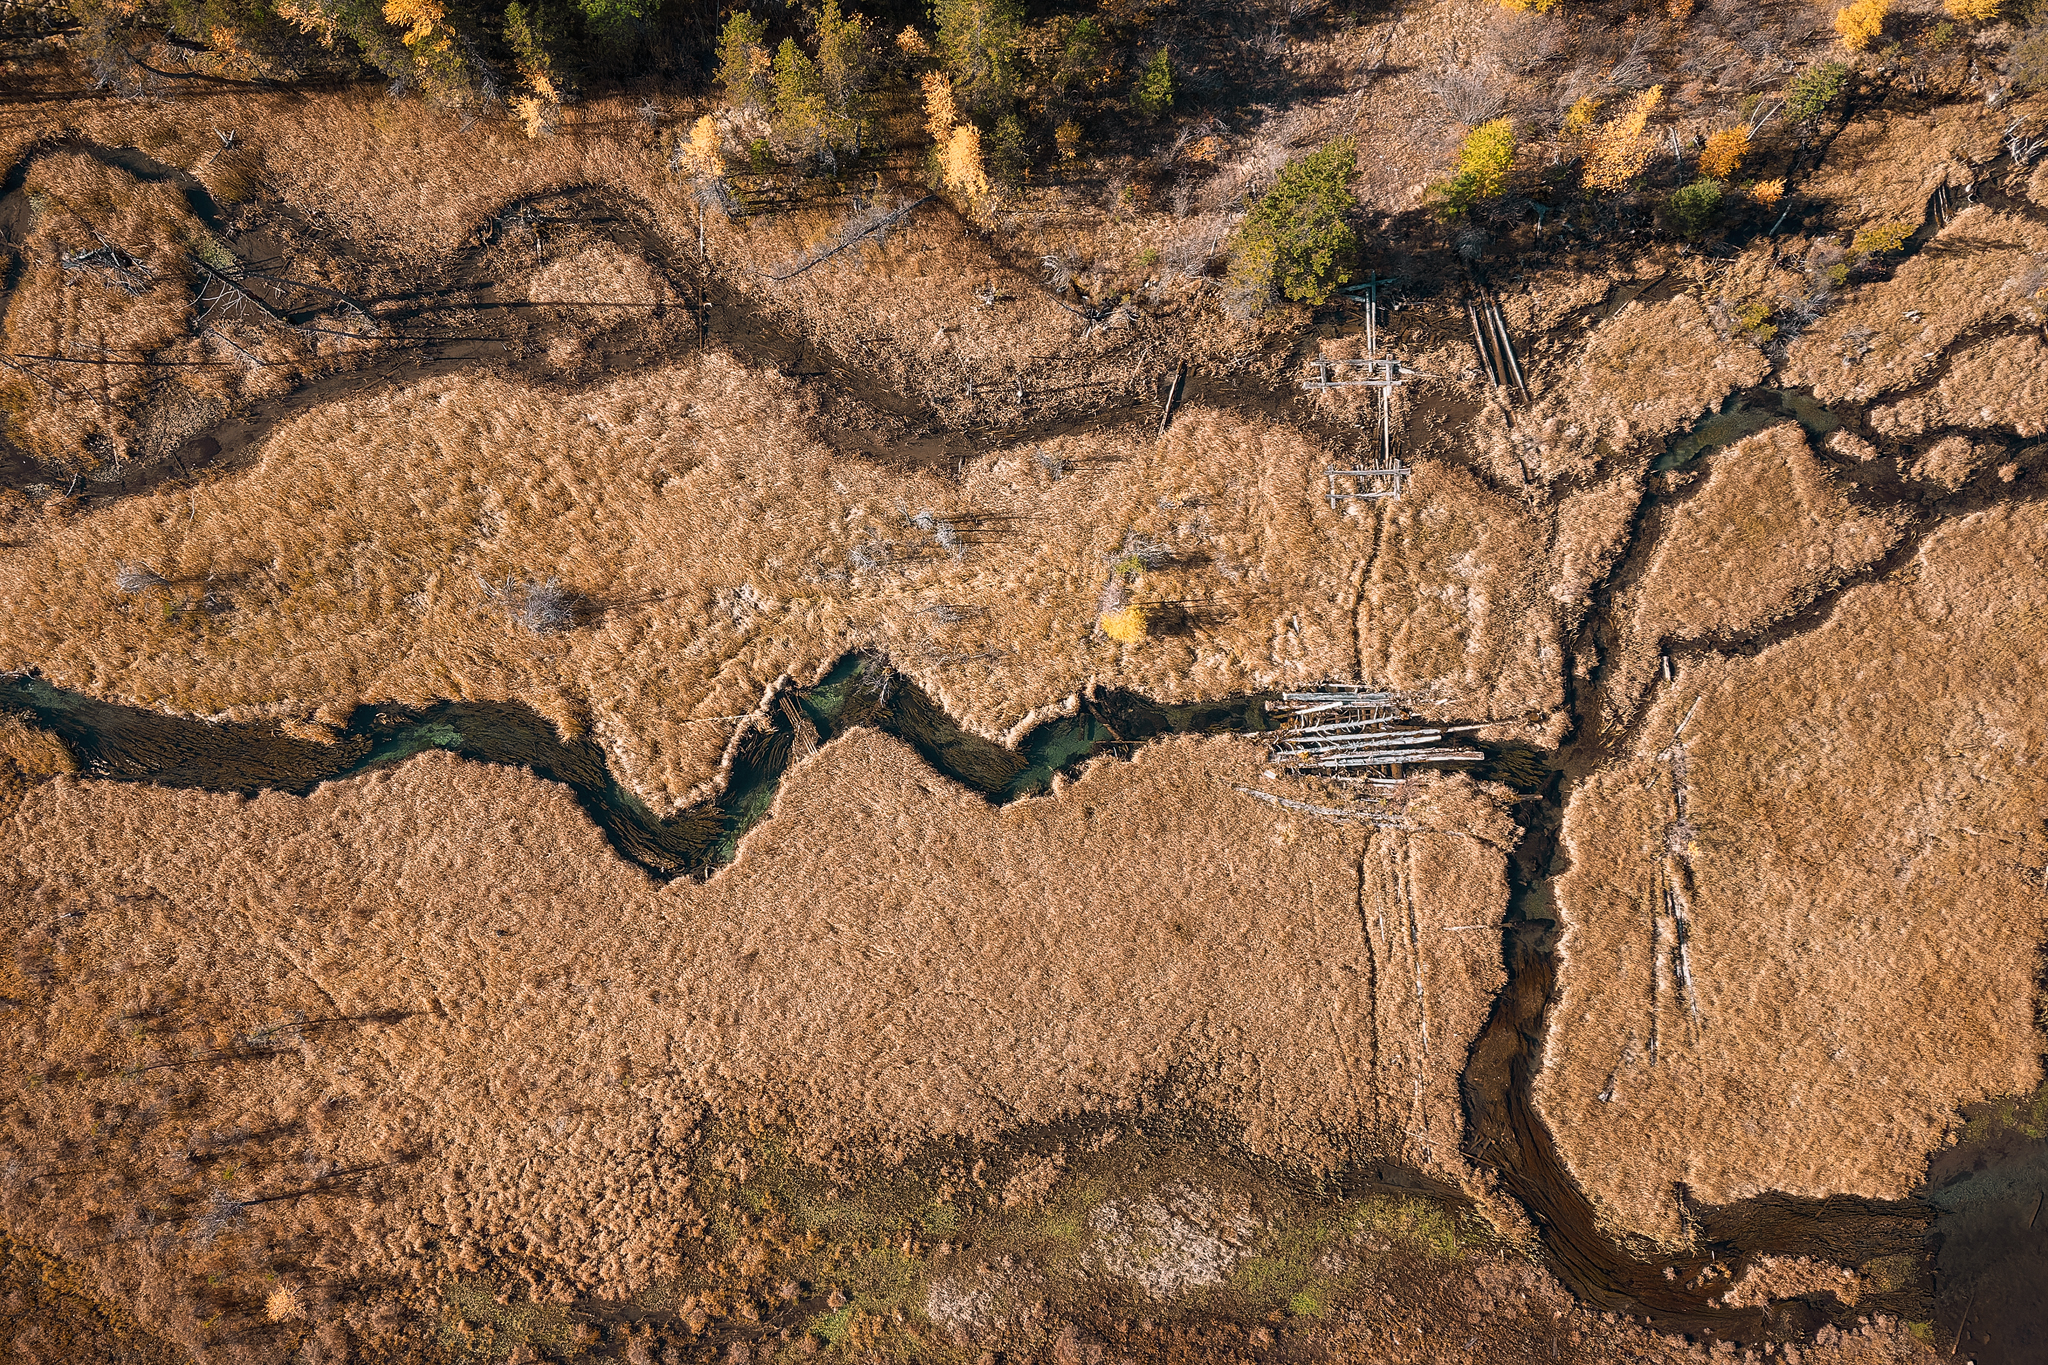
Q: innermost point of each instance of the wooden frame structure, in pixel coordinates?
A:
(1387, 477)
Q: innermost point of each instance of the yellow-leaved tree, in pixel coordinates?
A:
(703, 153)
(1723, 153)
(1859, 24)
(1618, 149)
(430, 39)
(940, 111)
(962, 163)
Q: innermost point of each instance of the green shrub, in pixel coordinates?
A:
(1756, 324)
(1880, 238)
(2029, 68)
(1153, 94)
(1295, 241)
(1813, 92)
(1483, 165)
(1695, 206)
(1080, 54)
(1009, 157)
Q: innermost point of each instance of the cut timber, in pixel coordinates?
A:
(1359, 731)
(1173, 393)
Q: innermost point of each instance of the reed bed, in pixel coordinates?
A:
(2001, 383)
(1892, 334)
(1640, 376)
(717, 545)
(1848, 824)
(1766, 534)
(443, 966)
(1886, 167)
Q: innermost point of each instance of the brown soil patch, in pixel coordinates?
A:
(2002, 382)
(1640, 377)
(1856, 855)
(1767, 533)
(1885, 168)
(1893, 333)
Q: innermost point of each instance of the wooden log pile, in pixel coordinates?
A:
(1355, 732)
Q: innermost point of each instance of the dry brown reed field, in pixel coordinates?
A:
(1885, 168)
(2001, 382)
(717, 546)
(1767, 533)
(1847, 828)
(1640, 376)
(444, 968)
(1974, 274)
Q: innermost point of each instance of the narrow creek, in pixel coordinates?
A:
(133, 744)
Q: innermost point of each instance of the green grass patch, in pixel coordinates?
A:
(475, 1325)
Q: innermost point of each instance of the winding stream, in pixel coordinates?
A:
(132, 744)
(1505, 1133)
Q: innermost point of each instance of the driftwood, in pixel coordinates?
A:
(1173, 392)
(867, 221)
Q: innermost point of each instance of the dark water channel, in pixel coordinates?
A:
(1745, 414)
(133, 744)
(1958, 1227)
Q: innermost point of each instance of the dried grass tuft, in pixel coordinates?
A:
(134, 578)
(33, 751)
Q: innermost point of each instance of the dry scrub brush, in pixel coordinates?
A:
(1858, 859)
(718, 547)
